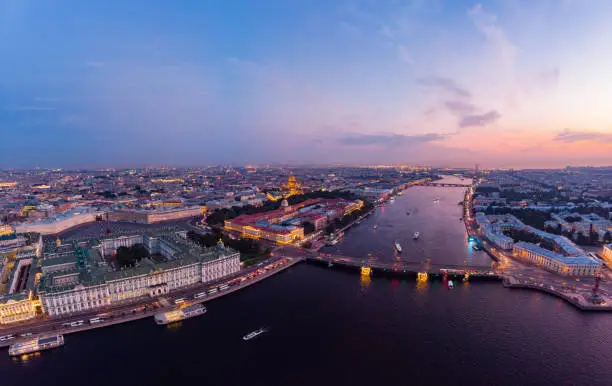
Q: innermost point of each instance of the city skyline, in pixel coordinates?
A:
(498, 83)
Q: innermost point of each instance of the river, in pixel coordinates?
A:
(333, 327)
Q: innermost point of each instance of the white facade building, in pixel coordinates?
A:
(76, 290)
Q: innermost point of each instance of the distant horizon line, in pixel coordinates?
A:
(293, 165)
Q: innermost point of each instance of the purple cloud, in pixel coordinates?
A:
(570, 136)
(459, 107)
(355, 139)
(445, 84)
(479, 119)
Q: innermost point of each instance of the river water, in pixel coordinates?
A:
(333, 327)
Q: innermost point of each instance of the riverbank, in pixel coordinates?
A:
(578, 300)
(144, 313)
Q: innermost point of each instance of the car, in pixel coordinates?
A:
(25, 334)
(6, 337)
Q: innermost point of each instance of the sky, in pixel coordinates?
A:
(501, 83)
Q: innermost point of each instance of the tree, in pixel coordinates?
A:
(124, 257)
(582, 239)
(139, 251)
(308, 227)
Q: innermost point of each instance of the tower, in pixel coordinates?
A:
(292, 187)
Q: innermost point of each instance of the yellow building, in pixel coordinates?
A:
(6, 230)
(292, 187)
(353, 206)
(17, 308)
(7, 184)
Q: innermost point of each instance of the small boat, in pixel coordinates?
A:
(392, 199)
(253, 334)
(436, 200)
(451, 285)
(375, 226)
(408, 213)
(416, 235)
(398, 247)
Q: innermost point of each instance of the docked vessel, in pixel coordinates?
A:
(398, 247)
(180, 314)
(335, 239)
(392, 199)
(253, 334)
(36, 344)
(416, 235)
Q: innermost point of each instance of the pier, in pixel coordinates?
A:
(133, 311)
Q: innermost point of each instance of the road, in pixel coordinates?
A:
(143, 307)
(534, 275)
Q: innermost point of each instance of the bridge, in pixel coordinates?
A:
(444, 184)
(400, 267)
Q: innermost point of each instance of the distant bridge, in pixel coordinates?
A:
(444, 184)
(403, 267)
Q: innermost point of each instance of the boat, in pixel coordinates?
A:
(179, 314)
(408, 213)
(392, 199)
(336, 238)
(375, 226)
(451, 285)
(253, 334)
(436, 200)
(400, 193)
(398, 247)
(36, 344)
(416, 235)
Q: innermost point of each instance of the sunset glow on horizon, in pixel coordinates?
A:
(500, 83)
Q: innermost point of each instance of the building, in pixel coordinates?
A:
(6, 230)
(141, 216)
(581, 265)
(606, 254)
(92, 285)
(493, 231)
(284, 225)
(61, 221)
(18, 307)
(292, 188)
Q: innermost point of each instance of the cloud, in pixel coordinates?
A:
(385, 139)
(570, 136)
(404, 54)
(459, 107)
(445, 84)
(479, 119)
(488, 25)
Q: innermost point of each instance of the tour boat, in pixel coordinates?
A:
(416, 236)
(253, 334)
(398, 247)
(36, 344)
(180, 314)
